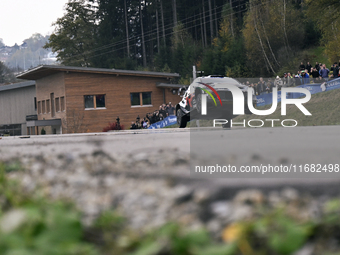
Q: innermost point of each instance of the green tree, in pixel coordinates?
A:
(273, 32)
(226, 56)
(75, 33)
(6, 75)
(326, 14)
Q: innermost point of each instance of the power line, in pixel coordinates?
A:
(154, 32)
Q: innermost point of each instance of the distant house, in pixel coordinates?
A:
(17, 105)
(5, 52)
(79, 99)
(23, 45)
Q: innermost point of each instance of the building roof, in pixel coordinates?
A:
(17, 85)
(171, 86)
(46, 70)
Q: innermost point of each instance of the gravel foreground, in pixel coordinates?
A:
(146, 178)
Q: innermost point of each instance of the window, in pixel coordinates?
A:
(52, 110)
(140, 99)
(135, 99)
(100, 101)
(62, 104)
(57, 107)
(146, 96)
(35, 103)
(48, 109)
(39, 107)
(94, 101)
(88, 102)
(43, 106)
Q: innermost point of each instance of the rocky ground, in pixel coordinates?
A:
(151, 188)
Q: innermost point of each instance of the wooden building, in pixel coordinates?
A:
(79, 99)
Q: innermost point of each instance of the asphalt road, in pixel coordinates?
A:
(236, 147)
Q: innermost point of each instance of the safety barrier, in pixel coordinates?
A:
(314, 88)
(168, 121)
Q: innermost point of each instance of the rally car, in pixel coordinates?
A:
(219, 100)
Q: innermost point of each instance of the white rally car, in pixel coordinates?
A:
(219, 100)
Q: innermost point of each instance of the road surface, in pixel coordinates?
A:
(168, 152)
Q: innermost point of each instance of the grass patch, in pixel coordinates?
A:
(311, 55)
(324, 108)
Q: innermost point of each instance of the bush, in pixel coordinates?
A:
(32, 224)
(113, 126)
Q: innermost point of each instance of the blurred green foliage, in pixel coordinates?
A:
(31, 223)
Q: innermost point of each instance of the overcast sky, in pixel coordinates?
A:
(19, 19)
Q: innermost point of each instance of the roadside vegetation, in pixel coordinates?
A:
(31, 223)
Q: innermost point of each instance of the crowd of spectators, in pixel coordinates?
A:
(164, 111)
(306, 75)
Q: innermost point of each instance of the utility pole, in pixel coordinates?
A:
(194, 72)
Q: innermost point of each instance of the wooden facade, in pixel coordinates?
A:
(61, 95)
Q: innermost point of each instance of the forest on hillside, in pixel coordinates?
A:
(237, 38)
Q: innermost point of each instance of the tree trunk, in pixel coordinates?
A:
(127, 30)
(174, 12)
(267, 39)
(142, 30)
(260, 40)
(216, 25)
(211, 22)
(163, 27)
(157, 27)
(231, 19)
(204, 27)
(284, 26)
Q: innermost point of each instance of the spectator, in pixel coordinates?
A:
(336, 70)
(284, 80)
(290, 80)
(145, 123)
(305, 77)
(170, 109)
(261, 85)
(298, 78)
(317, 66)
(302, 77)
(251, 85)
(278, 82)
(309, 67)
(315, 74)
(324, 71)
(269, 87)
(162, 112)
(302, 66)
(133, 125)
(258, 88)
(271, 82)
